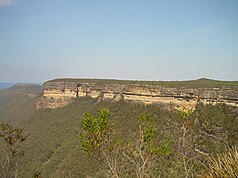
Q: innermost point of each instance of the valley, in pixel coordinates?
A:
(53, 148)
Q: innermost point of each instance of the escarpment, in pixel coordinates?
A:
(59, 93)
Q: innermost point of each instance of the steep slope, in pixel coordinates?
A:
(17, 101)
(177, 95)
(52, 146)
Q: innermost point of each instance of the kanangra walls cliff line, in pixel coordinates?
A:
(61, 93)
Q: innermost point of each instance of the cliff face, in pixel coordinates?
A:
(61, 93)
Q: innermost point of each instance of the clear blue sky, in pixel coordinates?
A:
(121, 39)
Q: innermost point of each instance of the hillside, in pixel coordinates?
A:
(6, 85)
(52, 146)
(16, 101)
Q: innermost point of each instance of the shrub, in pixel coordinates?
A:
(223, 165)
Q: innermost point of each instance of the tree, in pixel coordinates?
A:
(142, 153)
(184, 119)
(96, 141)
(119, 158)
(12, 139)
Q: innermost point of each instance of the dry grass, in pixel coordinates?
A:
(224, 165)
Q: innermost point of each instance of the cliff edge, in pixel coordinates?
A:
(182, 94)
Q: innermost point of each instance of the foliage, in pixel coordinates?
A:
(96, 141)
(12, 139)
(166, 147)
(223, 165)
(144, 150)
(147, 127)
(183, 115)
(97, 131)
(53, 146)
(200, 83)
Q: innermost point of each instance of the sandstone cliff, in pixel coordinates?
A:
(59, 93)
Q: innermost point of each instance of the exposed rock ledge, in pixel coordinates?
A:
(59, 93)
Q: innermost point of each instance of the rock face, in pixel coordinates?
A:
(61, 93)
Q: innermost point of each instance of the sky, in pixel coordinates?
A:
(118, 39)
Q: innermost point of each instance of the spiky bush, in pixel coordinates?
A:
(223, 165)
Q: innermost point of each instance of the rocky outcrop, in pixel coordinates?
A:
(61, 93)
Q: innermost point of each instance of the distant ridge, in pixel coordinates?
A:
(9, 85)
(6, 85)
(198, 83)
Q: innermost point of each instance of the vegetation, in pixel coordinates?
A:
(12, 139)
(200, 83)
(96, 140)
(223, 165)
(52, 148)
